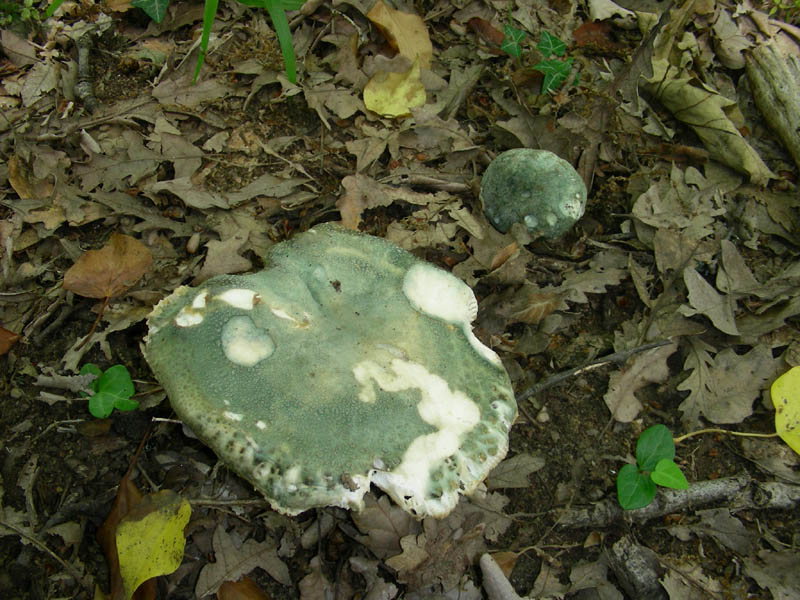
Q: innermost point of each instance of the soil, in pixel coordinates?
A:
(61, 468)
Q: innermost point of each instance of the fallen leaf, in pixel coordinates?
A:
(405, 32)
(529, 304)
(725, 391)
(25, 183)
(384, 524)
(705, 300)
(128, 496)
(150, 538)
(777, 571)
(7, 339)
(486, 31)
(235, 560)
(395, 94)
(726, 529)
(41, 79)
(244, 589)
(641, 370)
(413, 554)
(785, 392)
(513, 472)
(315, 586)
(108, 272)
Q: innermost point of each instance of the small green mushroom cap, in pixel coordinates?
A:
(348, 361)
(535, 188)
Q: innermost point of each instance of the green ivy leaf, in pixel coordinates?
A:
(512, 40)
(155, 9)
(668, 474)
(91, 369)
(634, 489)
(654, 444)
(555, 73)
(550, 45)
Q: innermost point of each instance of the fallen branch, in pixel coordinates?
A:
(739, 492)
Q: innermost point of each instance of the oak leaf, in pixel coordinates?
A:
(110, 271)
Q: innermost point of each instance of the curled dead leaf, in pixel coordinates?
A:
(404, 32)
(110, 271)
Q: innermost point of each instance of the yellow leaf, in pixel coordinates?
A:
(405, 32)
(150, 539)
(785, 394)
(394, 94)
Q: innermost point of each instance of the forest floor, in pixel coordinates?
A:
(684, 270)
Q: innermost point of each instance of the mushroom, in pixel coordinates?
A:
(535, 188)
(346, 362)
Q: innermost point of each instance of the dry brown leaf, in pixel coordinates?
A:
(244, 589)
(486, 31)
(7, 339)
(108, 272)
(24, 182)
(529, 305)
(503, 254)
(404, 32)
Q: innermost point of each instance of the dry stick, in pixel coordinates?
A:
(84, 89)
(73, 570)
(608, 512)
(616, 357)
(686, 436)
(96, 321)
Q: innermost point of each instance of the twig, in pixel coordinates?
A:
(79, 577)
(496, 584)
(84, 89)
(608, 512)
(686, 436)
(616, 357)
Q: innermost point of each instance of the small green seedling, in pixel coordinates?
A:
(18, 11)
(655, 451)
(157, 9)
(112, 389)
(512, 40)
(555, 70)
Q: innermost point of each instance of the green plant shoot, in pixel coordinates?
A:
(512, 40)
(655, 451)
(112, 389)
(157, 9)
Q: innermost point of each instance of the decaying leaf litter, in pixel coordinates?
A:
(690, 238)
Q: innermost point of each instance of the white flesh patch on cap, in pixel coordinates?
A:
(451, 412)
(239, 298)
(232, 416)
(440, 294)
(192, 315)
(444, 296)
(245, 344)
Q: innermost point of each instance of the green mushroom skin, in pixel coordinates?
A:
(535, 188)
(346, 362)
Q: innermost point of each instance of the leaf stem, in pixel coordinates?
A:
(680, 438)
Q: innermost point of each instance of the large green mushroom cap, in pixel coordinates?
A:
(534, 187)
(346, 362)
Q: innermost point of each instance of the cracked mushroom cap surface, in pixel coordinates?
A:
(536, 188)
(347, 361)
